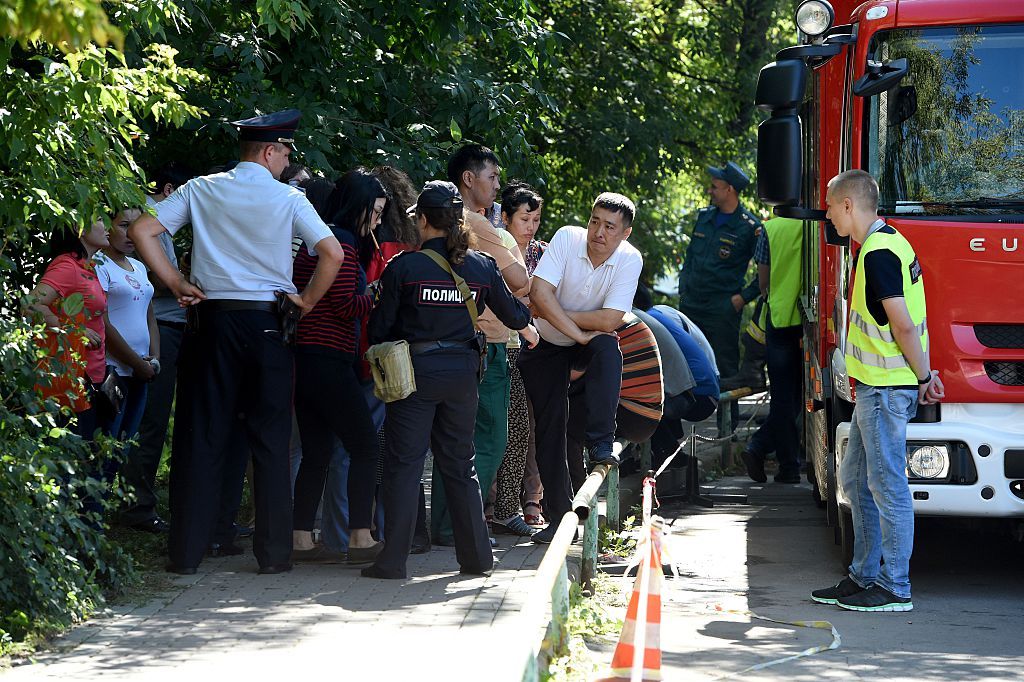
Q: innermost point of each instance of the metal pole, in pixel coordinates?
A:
(645, 455)
(727, 426)
(560, 612)
(589, 567)
(612, 512)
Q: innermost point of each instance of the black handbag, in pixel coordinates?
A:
(110, 399)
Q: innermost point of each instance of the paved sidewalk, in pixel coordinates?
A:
(319, 619)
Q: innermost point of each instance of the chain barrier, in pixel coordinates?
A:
(705, 439)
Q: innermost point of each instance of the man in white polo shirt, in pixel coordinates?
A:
(581, 289)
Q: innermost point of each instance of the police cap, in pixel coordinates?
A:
(276, 127)
(732, 174)
(437, 194)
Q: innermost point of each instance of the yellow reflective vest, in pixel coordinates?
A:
(785, 239)
(872, 355)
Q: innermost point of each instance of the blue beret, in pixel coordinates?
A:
(732, 174)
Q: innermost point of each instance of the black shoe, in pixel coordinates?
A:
(153, 525)
(830, 595)
(219, 550)
(374, 572)
(243, 531)
(180, 570)
(443, 541)
(755, 467)
(544, 537)
(274, 569)
(875, 598)
(603, 453)
(420, 544)
(788, 477)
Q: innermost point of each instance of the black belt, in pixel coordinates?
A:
(420, 347)
(180, 326)
(230, 304)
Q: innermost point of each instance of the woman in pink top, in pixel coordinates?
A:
(69, 278)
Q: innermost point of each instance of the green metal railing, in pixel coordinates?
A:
(552, 579)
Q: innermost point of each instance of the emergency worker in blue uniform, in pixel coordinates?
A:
(711, 291)
(235, 358)
(420, 302)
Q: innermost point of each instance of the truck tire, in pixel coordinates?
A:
(845, 528)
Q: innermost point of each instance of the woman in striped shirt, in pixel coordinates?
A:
(329, 399)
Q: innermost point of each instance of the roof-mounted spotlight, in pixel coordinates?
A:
(814, 17)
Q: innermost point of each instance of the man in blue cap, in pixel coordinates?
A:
(235, 358)
(711, 291)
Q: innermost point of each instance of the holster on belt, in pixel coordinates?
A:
(480, 344)
(288, 314)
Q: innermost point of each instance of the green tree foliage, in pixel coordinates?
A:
(54, 563)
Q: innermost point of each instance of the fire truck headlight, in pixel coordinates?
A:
(928, 461)
(814, 17)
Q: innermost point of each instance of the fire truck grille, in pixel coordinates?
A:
(1000, 335)
(1006, 373)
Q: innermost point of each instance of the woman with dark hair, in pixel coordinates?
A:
(521, 208)
(75, 330)
(132, 339)
(421, 302)
(329, 399)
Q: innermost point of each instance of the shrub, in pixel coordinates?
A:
(54, 563)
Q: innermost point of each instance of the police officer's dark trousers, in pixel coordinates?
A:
(439, 415)
(233, 362)
(780, 433)
(545, 371)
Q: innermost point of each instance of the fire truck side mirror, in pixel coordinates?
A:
(832, 235)
(880, 76)
(780, 90)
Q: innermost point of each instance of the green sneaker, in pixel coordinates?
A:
(875, 598)
(830, 595)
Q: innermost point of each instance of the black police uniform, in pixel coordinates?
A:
(420, 303)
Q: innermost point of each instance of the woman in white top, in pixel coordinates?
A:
(133, 342)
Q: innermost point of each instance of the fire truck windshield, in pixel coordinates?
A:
(949, 139)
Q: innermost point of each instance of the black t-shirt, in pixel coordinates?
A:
(883, 273)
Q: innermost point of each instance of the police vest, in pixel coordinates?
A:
(872, 355)
(785, 237)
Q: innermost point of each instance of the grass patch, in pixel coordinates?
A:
(592, 619)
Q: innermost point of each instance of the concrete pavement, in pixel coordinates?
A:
(768, 555)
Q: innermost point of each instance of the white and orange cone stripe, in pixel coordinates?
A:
(637, 656)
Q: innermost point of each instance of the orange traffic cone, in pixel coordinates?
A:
(638, 654)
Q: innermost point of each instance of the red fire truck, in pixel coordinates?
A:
(927, 96)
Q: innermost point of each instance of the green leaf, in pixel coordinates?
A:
(456, 131)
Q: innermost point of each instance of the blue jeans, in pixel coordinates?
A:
(873, 474)
(334, 521)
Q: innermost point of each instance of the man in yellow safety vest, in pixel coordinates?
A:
(887, 353)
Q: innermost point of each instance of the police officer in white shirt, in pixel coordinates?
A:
(582, 287)
(234, 358)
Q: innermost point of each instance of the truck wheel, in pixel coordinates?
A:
(846, 536)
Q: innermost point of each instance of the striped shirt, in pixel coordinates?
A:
(642, 392)
(334, 322)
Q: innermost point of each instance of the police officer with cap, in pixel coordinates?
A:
(711, 291)
(235, 359)
(421, 303)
